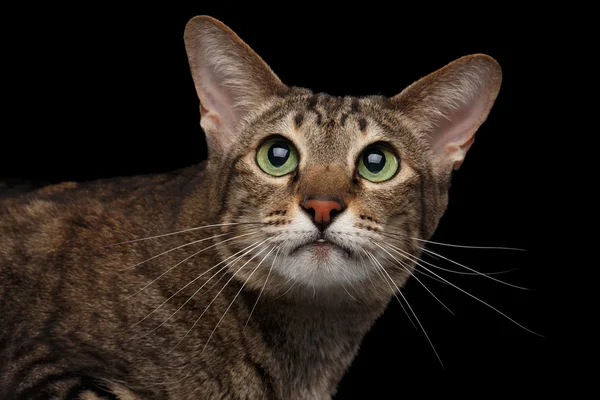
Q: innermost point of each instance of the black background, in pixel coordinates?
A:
(107, 92)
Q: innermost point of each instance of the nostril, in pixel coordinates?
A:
(312, 212)
(333, 213)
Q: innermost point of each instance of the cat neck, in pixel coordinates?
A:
(304, 341)
(310, 346)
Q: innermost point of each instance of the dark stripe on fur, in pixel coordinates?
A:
(264, 376)
(222, 203)
(343, 119)
(298, 120)
(312, 103)
(362, 124)
(43, 387)
(87, 384)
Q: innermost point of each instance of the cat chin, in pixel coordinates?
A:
(322, 266)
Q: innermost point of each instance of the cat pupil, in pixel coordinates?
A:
(374, 161)
(278, 154)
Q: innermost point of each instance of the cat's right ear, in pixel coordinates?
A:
(231, 80)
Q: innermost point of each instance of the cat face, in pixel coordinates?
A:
(330, 193)
(352, 176)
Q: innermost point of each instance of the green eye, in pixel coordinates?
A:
(277, 157)
(377, 163)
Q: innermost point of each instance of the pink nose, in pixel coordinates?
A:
(322, 209)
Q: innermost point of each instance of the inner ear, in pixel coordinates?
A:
(231, 80)
(450, 105)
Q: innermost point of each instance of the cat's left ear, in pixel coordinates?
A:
(231, 80)
(450, 104)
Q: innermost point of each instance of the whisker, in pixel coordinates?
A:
(185, 230)
(466, 273)
(476, 298)
(237, 294)
(474, 271)
(217, 295)
(172, 385)
(451, 244)
(346, 290)
(344, 271)
(184, 260)
(417, 318)
(429, 255)
(287, 291)
(362, 260)
(377, 268)
(426, 275)
(173, 249)
(469, 247)
(263, 288)
(247, 249)
(413, 275)
(224, 272)
(222, 276)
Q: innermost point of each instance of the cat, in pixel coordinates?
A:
(253, 275)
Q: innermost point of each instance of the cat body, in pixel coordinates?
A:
(254, 275)
(78, 316)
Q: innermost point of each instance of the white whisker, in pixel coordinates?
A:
(476, 298)
(413, 275)
(415, 315)
(469, 247)
(290, 288)
(343, 271)
(183, 231)
(362, 260)
(426, 275)
(451, 244)
(173, 249)
(463, 272)
(475, 271)
(374, 261)
(263, 288)
(188, 284)
(185, 259)
(236, 295)
(346, 290)
(251, 247)
(217, 295)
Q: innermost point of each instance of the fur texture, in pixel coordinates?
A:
(243, 301)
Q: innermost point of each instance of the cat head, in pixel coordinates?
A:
(329, 192)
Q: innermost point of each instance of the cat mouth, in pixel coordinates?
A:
(321, 247)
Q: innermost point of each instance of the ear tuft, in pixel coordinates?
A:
(450, 104)
(231, 80)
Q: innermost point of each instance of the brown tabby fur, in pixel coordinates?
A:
(71, 300)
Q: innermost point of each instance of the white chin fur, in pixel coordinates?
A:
(306, 267)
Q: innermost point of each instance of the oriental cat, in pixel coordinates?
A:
(254, 275)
